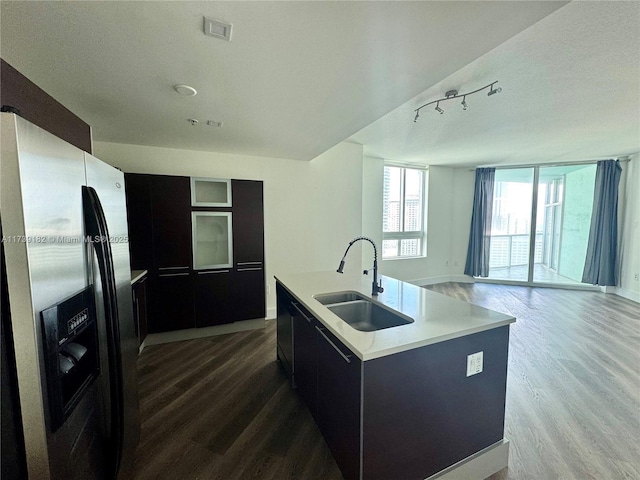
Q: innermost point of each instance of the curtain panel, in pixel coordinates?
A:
(477, 264)
(600, 262)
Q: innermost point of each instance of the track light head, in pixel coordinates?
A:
(451, 94)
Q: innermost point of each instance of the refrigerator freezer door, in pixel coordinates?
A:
(42, 221)
(109, 185)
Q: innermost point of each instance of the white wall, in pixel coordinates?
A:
(462, 204)
(448, 216)
(629, 227)
(312, 209)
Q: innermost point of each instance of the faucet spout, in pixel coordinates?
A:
(375, 288)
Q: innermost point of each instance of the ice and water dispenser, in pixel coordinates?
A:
(72, 362)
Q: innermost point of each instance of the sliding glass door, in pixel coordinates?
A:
(565, 200)
(546, 244)
(511, 224)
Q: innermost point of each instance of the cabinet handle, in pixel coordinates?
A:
(173, 274)
(346, 357)
(295, 305)
(247, 269)
(248, 263)
(213, 271)
(172, 268)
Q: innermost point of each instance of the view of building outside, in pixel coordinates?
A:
(511, 221)
(402, 211)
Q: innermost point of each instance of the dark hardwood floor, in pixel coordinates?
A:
(220, 408)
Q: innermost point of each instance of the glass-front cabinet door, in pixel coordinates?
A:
(210, 192)
(212, 240)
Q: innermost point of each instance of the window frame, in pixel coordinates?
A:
(407, 235)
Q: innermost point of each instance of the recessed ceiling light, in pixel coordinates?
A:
(217, 28)
(185, 90)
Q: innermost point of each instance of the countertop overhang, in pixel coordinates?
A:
(137, 275)
(437, 318)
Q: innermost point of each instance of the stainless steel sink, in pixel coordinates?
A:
(339, 297)
(366, 316)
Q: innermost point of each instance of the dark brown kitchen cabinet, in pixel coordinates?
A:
(139, 290)
(339, 374)
(248, 222)
(138, 188)
(248, 293)
(213, 305)
(171, 217)
(183, 291)
(41, 109)
(171, 302)
(305, 357)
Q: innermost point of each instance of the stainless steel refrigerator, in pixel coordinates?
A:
(71, 325)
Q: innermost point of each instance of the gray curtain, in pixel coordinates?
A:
(600, 263)
(477, 263)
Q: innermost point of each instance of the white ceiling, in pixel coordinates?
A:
(570, 91)
(299, 77)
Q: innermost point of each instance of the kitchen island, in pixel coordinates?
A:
(416, 401)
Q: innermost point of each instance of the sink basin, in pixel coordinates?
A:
(339, 297)
(366, 316)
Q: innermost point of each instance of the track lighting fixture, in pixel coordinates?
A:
(451, 94)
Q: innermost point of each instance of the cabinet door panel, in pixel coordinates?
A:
(248, 293)
(138, 188)
(339, 374)
(212, 298)
(171, 213)
(140, 308)
(248, 221)
(171, 303)
(305, 359)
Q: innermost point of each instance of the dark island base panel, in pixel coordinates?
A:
(434, 416)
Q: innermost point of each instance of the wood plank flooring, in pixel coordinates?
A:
(220, 408)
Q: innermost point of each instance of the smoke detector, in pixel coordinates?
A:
(217, 28)
(185, 90)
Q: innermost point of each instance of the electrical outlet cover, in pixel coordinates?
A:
(474, 363)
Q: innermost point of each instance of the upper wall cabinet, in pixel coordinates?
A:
(210, 192)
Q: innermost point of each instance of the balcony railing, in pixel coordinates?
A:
(513, 250)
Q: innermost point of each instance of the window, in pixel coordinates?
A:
(403, 213)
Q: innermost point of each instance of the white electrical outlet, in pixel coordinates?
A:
(474, 364)
(636, 277)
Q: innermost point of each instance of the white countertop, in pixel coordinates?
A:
(137, 275)
(436, 317)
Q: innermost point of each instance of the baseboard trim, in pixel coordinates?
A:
(192, 333)
(478, 466)
(623, 292)
(271, 313)
(421, 282)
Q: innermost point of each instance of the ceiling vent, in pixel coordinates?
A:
(217, 28)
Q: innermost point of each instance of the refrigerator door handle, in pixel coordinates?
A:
(98, 235)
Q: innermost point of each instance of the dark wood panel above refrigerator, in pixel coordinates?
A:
(41, 109)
